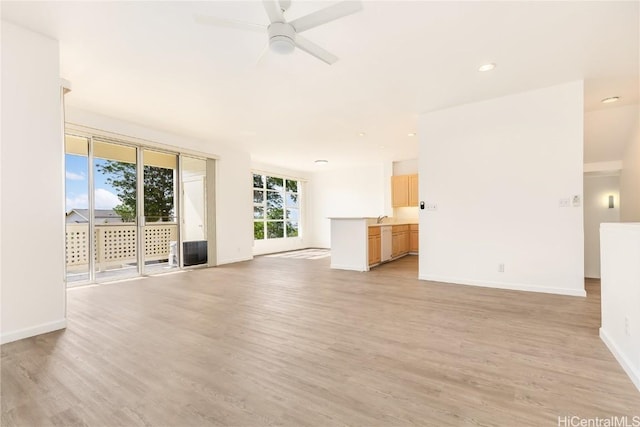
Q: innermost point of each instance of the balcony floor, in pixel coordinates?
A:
(151, 268)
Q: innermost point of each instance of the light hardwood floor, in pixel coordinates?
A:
(290, 342)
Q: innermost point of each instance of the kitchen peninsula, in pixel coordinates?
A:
(359, 243)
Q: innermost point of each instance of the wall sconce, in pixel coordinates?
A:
(611, 205)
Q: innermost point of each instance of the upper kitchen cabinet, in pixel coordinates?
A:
(413, 190)
(404, 190)
(400, 190)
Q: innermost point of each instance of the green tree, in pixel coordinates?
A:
(158, 190)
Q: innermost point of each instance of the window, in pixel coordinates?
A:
(276, 207)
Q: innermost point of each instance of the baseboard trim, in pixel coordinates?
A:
(347, 267)
(632, 372)
(234, 260)
(508, 286)
(33, 331)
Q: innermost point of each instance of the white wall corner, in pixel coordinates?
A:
(625, 363)
(65, 85)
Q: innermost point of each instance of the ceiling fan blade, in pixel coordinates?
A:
(229, 23)
(263, 54)
(325, 15)
(315, 50)
(272, 7)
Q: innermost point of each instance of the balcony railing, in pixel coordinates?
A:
(115, 244)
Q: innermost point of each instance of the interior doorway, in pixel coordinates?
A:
(601, 204)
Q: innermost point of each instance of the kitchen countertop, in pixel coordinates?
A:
(394, 223)
(371, 221)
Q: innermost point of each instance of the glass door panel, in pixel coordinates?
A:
(160, 218)
(77, 244)
(194, 211)
(115, 209)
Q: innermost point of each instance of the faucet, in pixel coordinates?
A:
(380, 218)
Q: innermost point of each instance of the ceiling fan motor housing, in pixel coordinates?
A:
(282, 37)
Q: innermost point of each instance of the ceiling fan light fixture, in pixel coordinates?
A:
(282, 45)
(487, 67)
(610, 99)
(281, 38)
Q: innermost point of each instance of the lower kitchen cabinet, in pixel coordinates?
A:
(400, 240)
(414, 238)
(374, 246)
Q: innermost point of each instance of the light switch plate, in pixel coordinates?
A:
(565, 202)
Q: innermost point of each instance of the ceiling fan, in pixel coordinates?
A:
(285, 36)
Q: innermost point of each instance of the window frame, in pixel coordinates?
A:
(283, 193)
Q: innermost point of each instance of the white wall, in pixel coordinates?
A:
(349, 244)
(355, 192)
(621, 295)
(268, 246)
(630, 177)
(597, 189)
(607, 131)
(234, 217)
(32, 218)
(497, 171)
(405, 167)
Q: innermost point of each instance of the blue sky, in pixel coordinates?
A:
(76, 180)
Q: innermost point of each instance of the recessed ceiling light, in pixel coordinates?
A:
(361, 134)
(382, 147)
(411, 134)
(610, 99)
(487, 67)
(321, 162)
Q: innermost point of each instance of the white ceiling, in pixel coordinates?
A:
(150, 63)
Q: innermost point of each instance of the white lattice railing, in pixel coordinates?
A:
(115, 244)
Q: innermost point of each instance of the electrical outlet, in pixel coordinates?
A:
(501, 268)
(431, 206)
(565, 202)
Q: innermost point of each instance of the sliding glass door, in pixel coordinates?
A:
(194, 211)
(132, 210)
(78, 247)
(115, 208)
(160, 222)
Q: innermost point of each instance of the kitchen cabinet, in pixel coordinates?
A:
(414, 238)
(413, 190)
(374, 246)
(404, 190)
(399, 240)
(400, 190)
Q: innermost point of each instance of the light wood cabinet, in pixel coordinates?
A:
(413, 190)
(399, 240)
(375, 252)
(400, 190)
(404, 190)
(414, 238)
